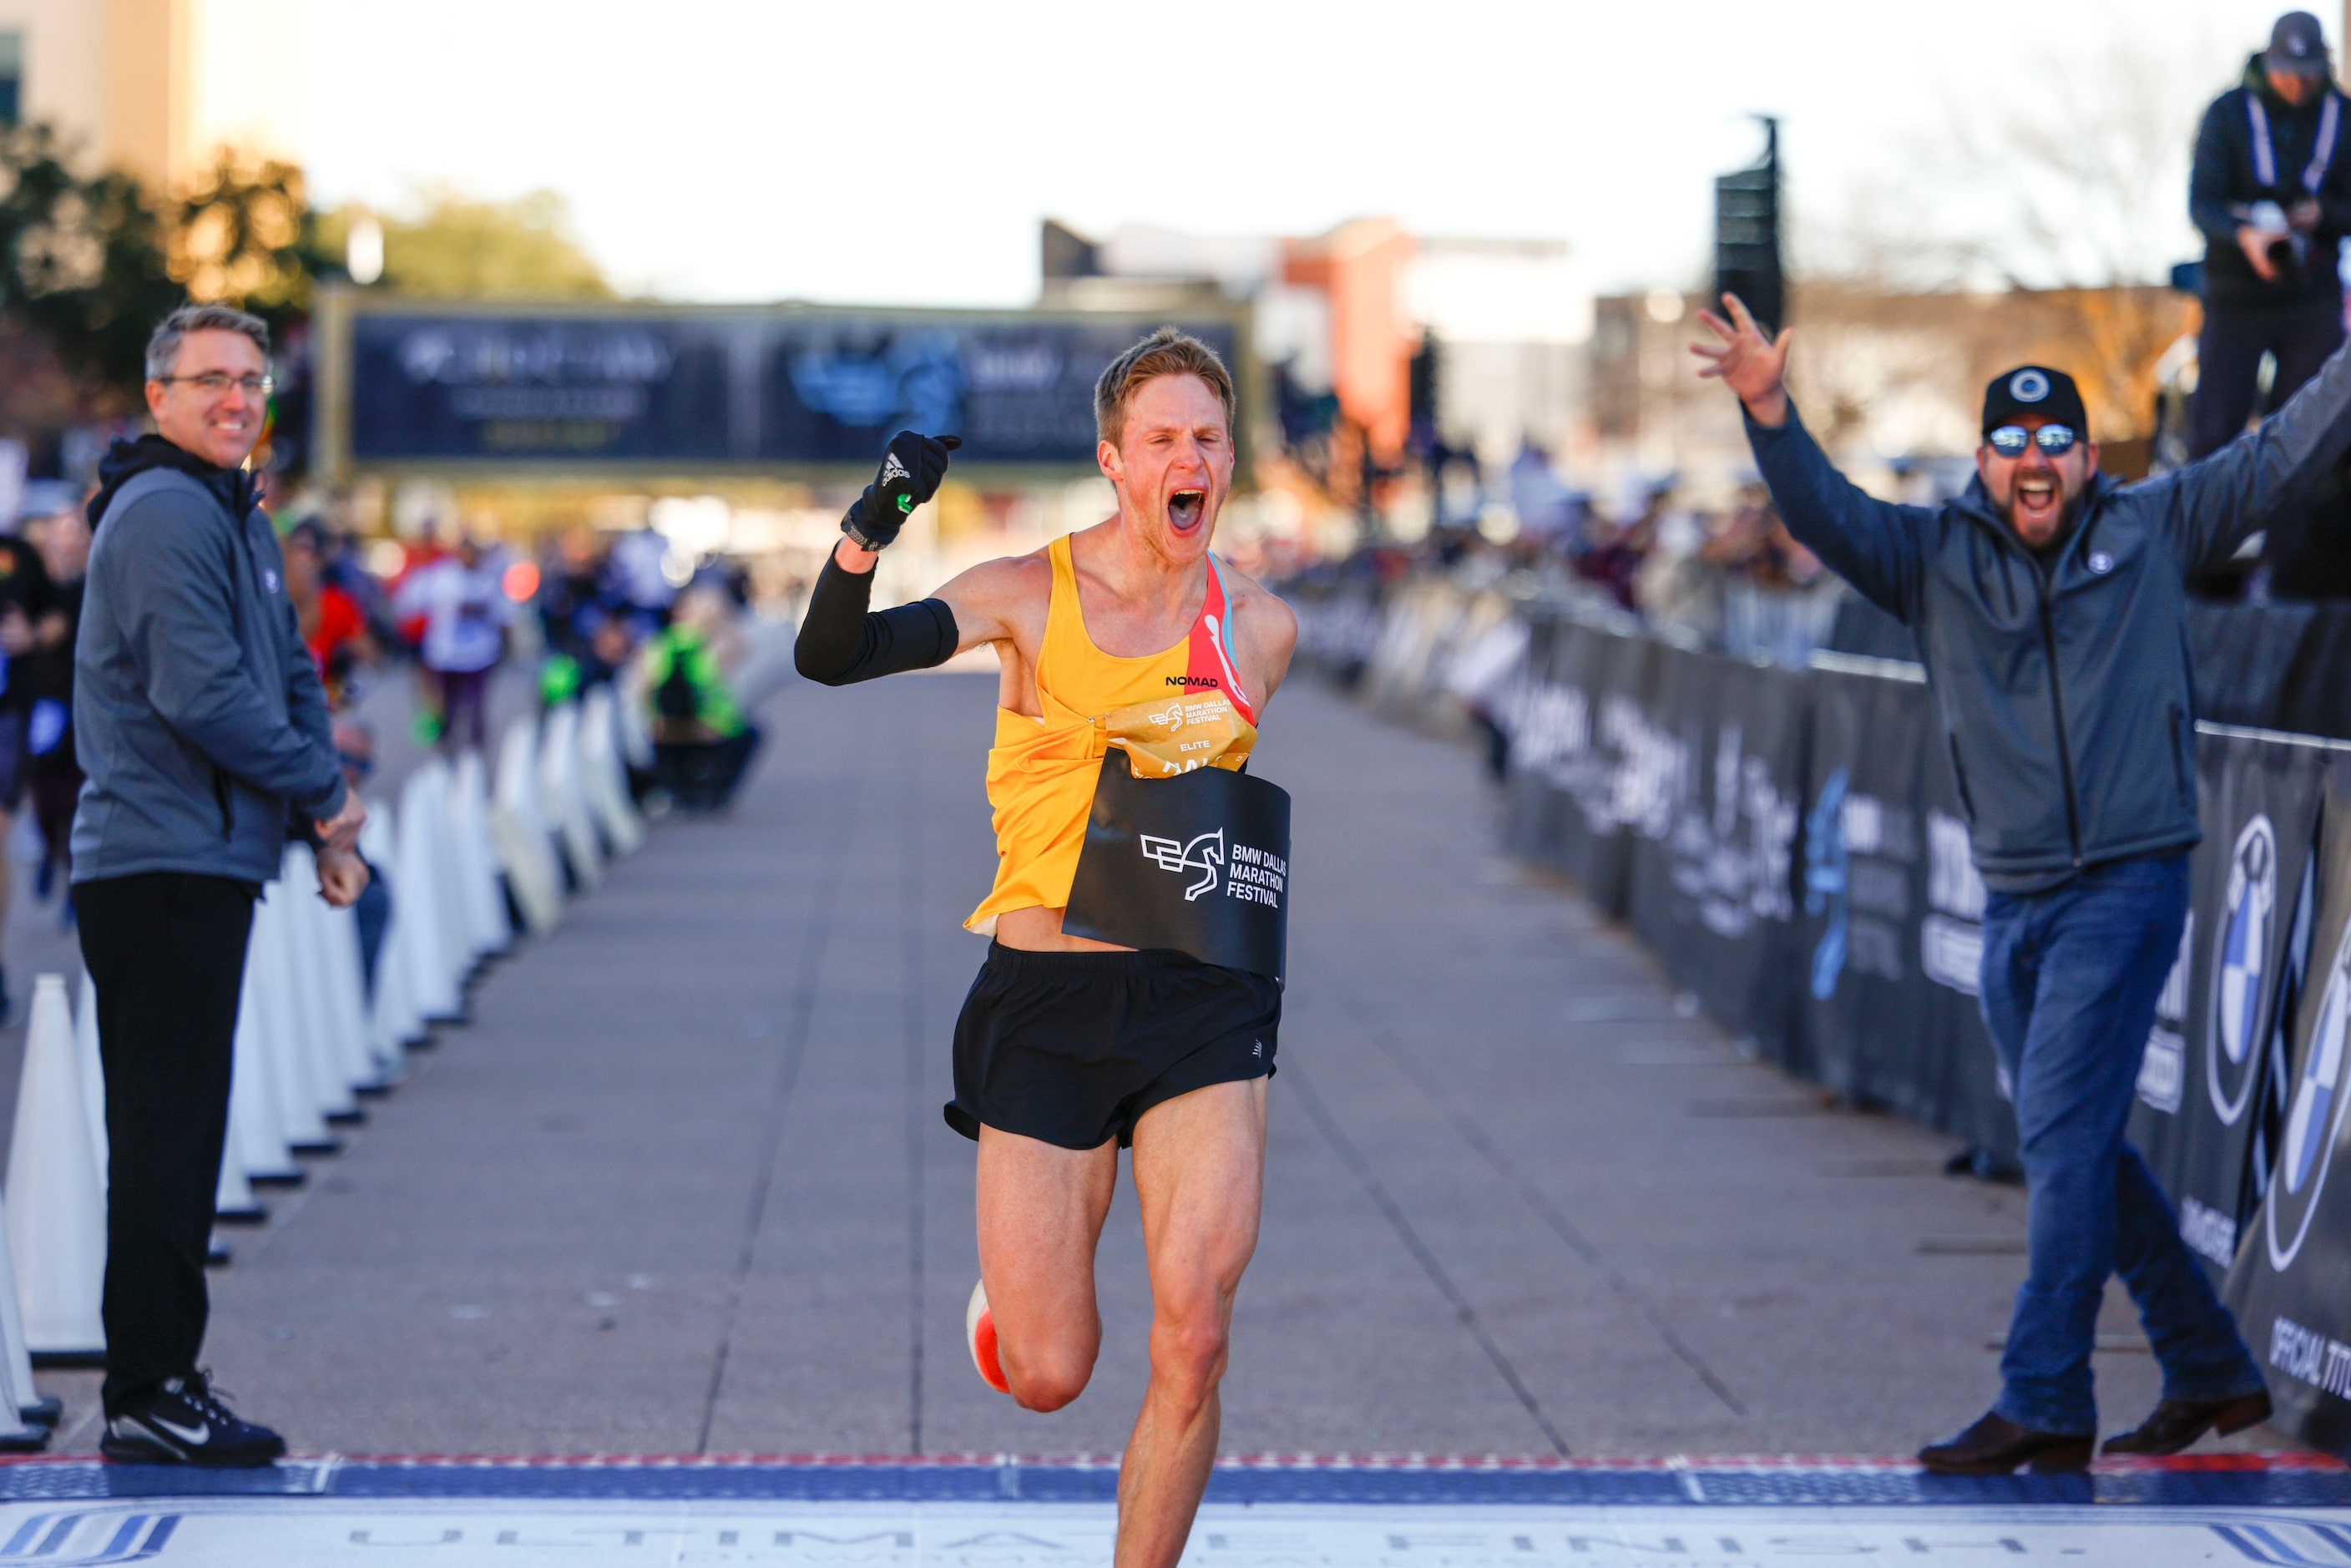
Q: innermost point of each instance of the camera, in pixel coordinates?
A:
(2290, 249)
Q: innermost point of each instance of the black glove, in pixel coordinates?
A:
(911, 471)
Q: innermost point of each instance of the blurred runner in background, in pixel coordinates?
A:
(30, 626)
(53, 777)
(334, 627)
(464, 609)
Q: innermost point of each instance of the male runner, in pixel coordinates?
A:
(1067, 1048)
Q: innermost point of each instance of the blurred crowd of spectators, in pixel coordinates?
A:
(1728, 577)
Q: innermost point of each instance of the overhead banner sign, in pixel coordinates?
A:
(696, 388)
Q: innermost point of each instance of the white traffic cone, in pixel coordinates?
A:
(604, 775)
(91, 1069)
(458, 954)
(321, 948)
(393, 1019)
(296, 884)
(34, 1414)
(257, 1126)
(423, 906)
(526, 849)
(301, 1103)
(232, 1199)
(56, 1216)
(484, 899)
(339, 956)
(559, 779)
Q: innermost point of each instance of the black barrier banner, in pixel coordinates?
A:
(1891, 939)
(2290, 1285)
(1582, 755)
(1863, 879)
(704, 388)
(1712, 790)
(1199, 863)
(2220, 1021)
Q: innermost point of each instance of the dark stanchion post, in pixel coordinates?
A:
(1747, 234)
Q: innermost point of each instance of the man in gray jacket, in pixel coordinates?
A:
(2050, 612)
(203, 729)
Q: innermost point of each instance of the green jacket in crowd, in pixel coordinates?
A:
(684, 683)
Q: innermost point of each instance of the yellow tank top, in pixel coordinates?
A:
(1171, 712)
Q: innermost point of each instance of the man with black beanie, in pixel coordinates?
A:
(2270, 189)
(2050, 612)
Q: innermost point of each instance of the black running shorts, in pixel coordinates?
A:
(1073, 1048)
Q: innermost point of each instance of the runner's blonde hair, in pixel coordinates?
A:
(1167, 353)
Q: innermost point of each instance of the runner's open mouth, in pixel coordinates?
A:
(2037, 496)
(1186, 508)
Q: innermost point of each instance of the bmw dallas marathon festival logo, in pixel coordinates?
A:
(2240, 952)
(2028, 386)
(1204, 854)
(1251, 874)
(2317, 1116)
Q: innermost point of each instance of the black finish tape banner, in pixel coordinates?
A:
(1199, 863)
(2290, 1286)
(2202, 1120)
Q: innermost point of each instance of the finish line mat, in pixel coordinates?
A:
(2290, 1511)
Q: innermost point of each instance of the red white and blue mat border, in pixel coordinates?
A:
(2245, 1480)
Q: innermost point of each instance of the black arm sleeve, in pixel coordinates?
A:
(842, 642)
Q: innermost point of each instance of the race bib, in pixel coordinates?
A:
(1178, 734)
(1199, 862)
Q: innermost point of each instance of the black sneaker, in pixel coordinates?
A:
(184, 1423)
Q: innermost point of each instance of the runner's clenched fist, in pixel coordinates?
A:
(911, 471)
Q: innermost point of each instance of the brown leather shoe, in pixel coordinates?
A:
(2177, 1423)
(1995, 1446)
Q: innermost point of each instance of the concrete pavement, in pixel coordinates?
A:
(683, 1186)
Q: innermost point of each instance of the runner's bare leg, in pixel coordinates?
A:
(1041, 1208)
(1199, 1176)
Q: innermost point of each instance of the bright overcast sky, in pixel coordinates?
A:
(904, 153)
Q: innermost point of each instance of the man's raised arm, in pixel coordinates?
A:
(2221, 500)
(1875, 545)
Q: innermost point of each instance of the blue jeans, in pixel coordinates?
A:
(2070, 982)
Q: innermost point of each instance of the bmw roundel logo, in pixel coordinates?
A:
(2028, 386)
(2240, 964)
(2314, 1118)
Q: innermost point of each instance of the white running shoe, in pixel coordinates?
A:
(979, 1331)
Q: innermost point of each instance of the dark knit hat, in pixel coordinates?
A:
(2034, 390)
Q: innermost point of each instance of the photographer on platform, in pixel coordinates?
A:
(2050, 608)
(2272, 193)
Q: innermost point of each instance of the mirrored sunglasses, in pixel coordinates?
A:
(2009, 440)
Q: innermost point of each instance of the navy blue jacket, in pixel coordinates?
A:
(2222, 182)
(2064, 686)
(198, 713)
